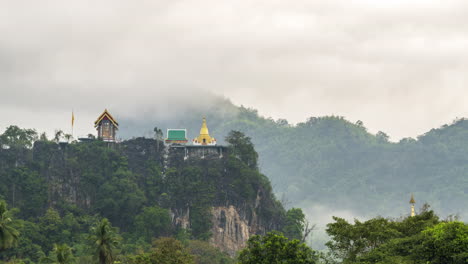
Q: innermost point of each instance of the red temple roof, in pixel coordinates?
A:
(106, 116)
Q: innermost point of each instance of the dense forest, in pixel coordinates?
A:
(64, 195)
(331, 162)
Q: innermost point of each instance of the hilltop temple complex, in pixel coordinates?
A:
(107, 126)
(204, 146)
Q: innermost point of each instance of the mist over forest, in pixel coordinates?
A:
(331, 166)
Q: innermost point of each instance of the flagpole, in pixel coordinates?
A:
(73, 122)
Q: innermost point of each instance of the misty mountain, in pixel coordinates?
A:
(335, 164)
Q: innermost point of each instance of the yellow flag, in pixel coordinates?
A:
(73, 118)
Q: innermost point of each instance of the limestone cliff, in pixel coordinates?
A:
(230, 231)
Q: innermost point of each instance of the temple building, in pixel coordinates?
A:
(106, 127)
(176, 136)
(204, 139)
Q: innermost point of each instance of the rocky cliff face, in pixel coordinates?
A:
(230, 231)
(231, 227)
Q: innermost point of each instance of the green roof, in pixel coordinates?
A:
(176, 134)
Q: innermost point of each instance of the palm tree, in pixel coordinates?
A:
(61, 254)
(68, 137)
(58, 136)
(104, 242)
(8, 234)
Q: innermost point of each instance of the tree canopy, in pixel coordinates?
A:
(420, 239)
(274, 248)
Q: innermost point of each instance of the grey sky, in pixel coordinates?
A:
(398, 65)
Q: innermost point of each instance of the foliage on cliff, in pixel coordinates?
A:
(60, 190)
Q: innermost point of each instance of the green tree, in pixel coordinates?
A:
(205, 253)
(120, 198)
(382, 137)
(154, 221)
(170, 251)
(60, 254)
(58, 135)
(295, 224)
(165, 250)
(381, 240)
(410, 226)
(28, 243)
(242, 147)
(8, 234)
(17, 137)
(43, 137)
(50, 227)
(104, 241)
(445, 243)
(68, 137)
(350, 241)
(158, 134)
(274, 248)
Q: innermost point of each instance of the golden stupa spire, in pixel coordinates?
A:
(412, 202)
(204, 138)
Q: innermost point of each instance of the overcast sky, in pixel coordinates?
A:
(400, 66)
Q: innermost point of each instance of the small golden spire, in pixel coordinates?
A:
(412, 202)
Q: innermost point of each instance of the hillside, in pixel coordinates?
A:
(328, 162)
(143, 187)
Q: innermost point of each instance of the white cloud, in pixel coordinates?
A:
(397, 65)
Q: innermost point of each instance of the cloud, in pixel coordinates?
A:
(400, 66)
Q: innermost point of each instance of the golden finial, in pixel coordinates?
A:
(204, 128)
(412, 201)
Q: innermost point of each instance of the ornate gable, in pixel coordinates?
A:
(106, 116)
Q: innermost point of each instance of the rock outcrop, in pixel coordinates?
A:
(230, 231)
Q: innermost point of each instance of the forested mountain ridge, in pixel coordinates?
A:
(143, 187)
(59, 191)
(333, 163)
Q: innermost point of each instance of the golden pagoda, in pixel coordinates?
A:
(412, 202)
(204, 139)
